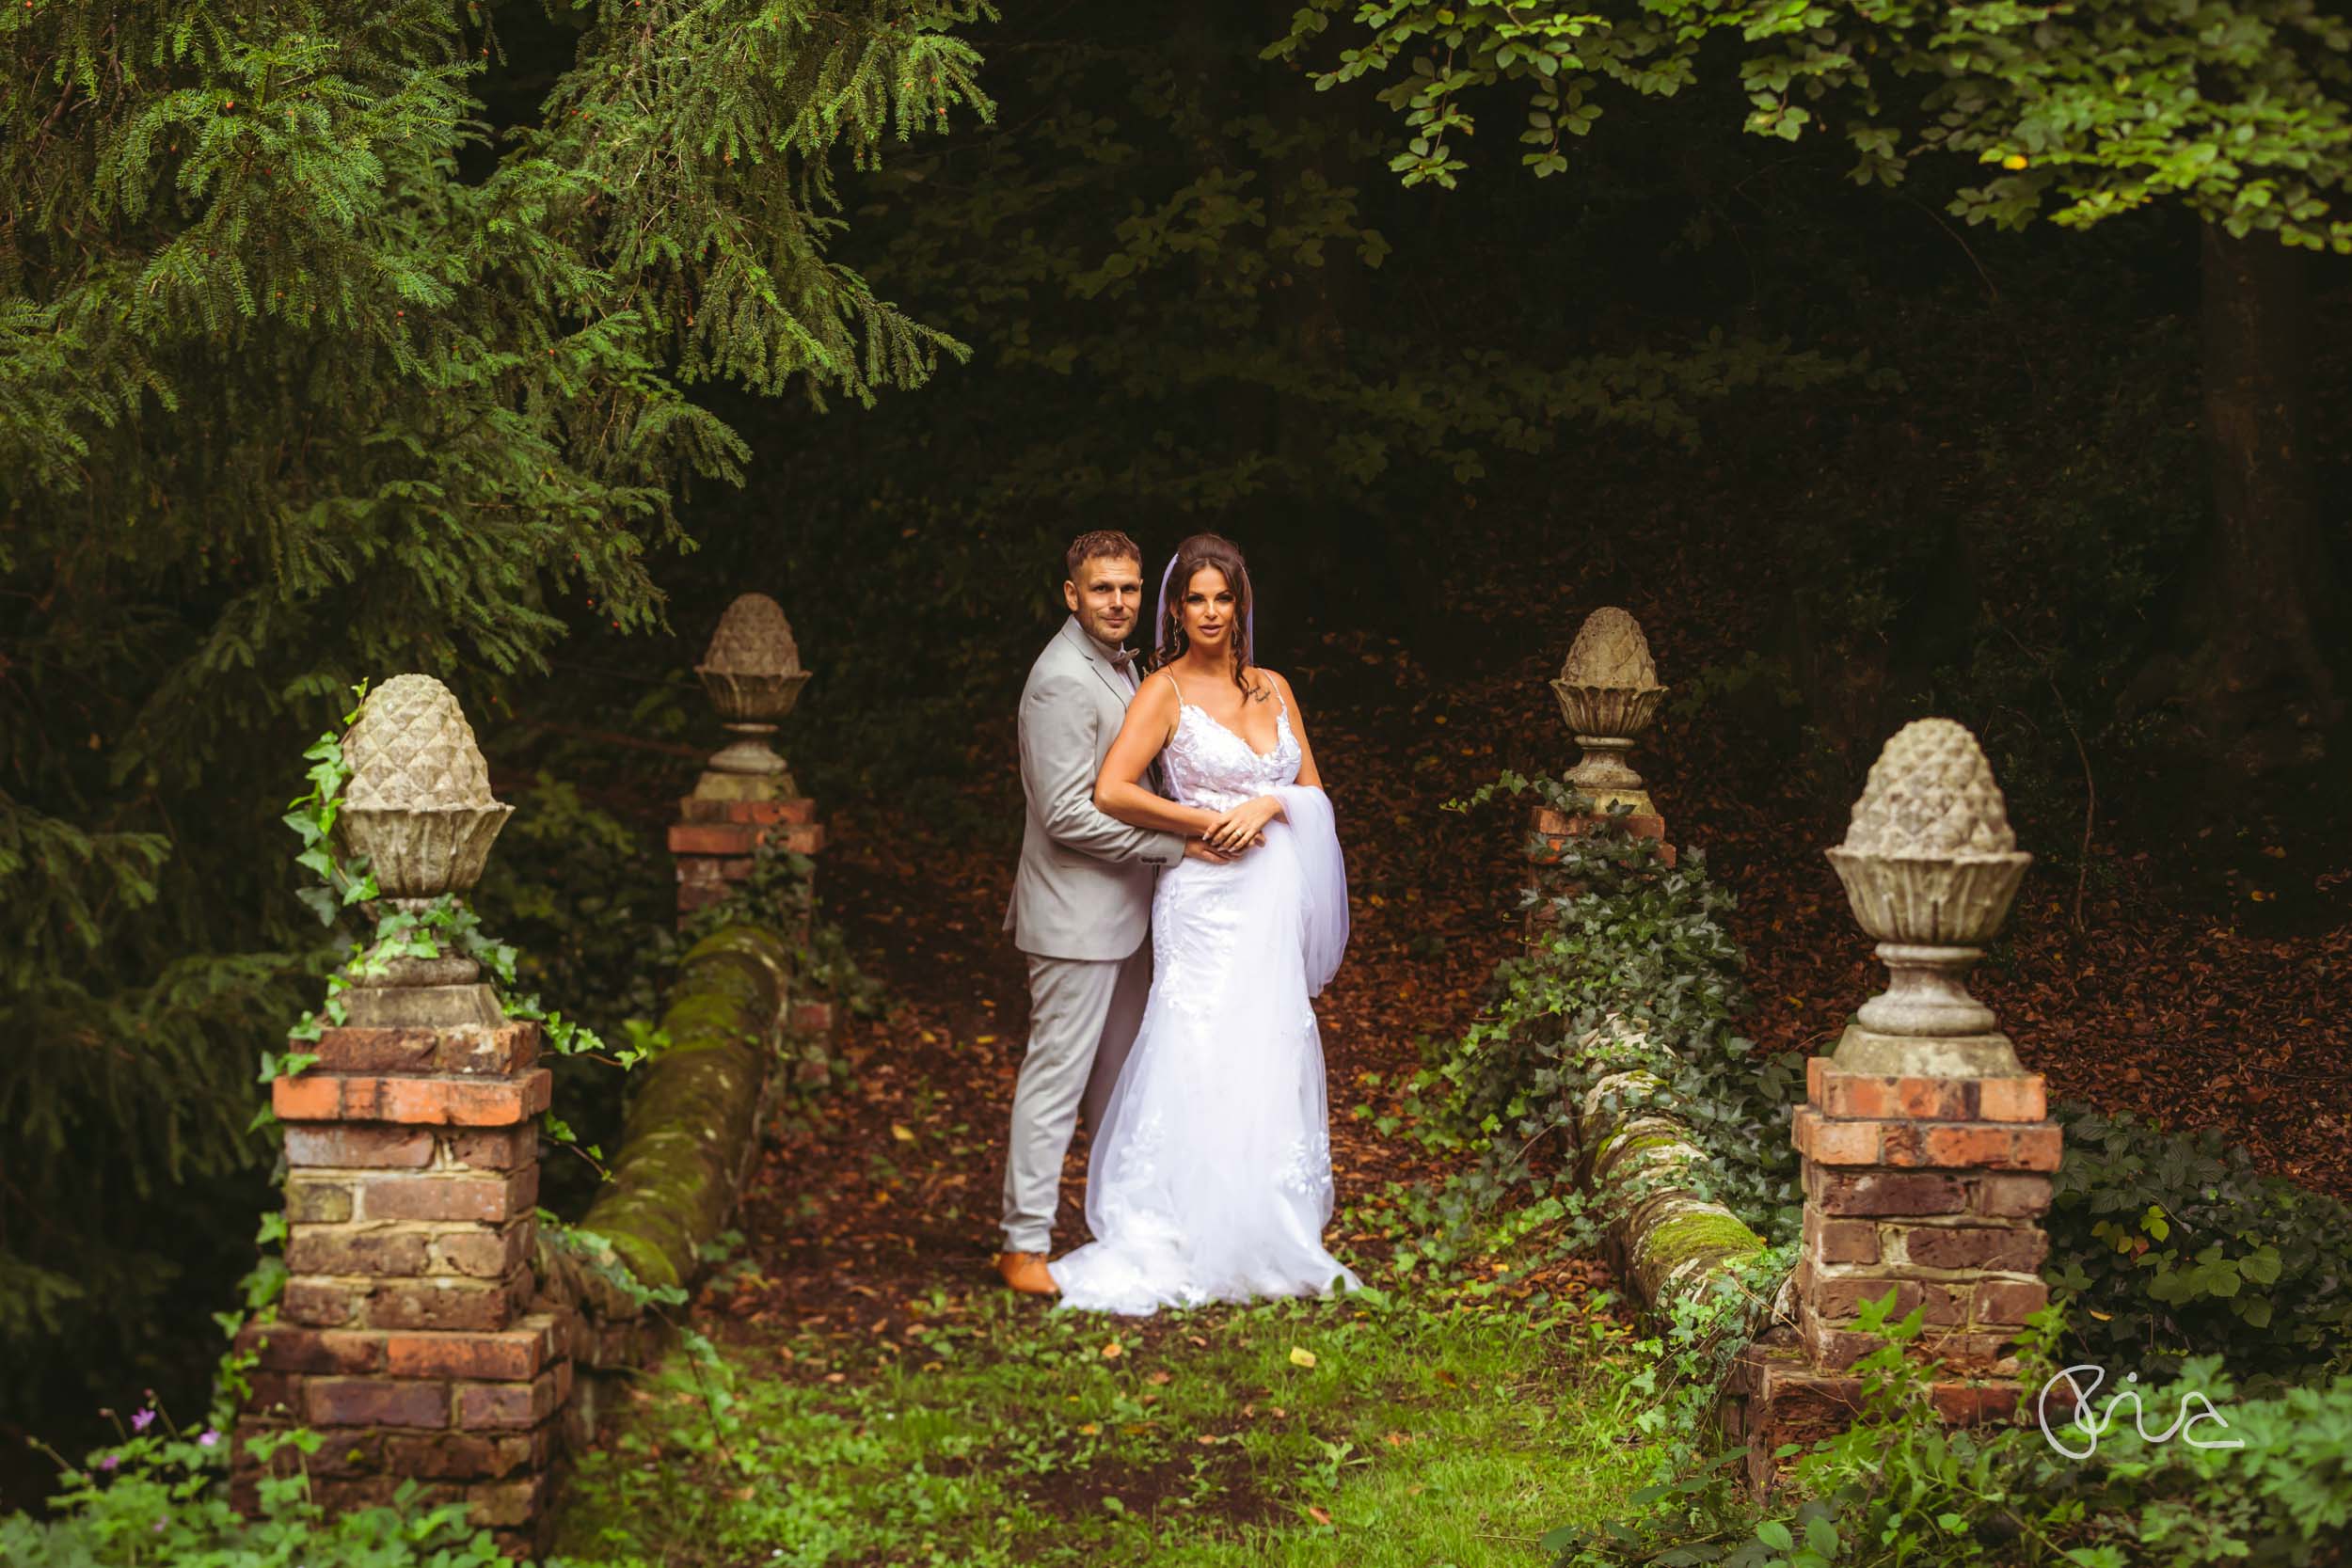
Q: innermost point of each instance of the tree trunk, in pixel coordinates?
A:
(2256, 680)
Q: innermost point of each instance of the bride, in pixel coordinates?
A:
(1210, 1178)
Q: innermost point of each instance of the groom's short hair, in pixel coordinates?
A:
(1100, 542)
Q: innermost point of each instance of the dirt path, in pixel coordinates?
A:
(892, 1191)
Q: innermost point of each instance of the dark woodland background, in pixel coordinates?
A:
(1849, 459)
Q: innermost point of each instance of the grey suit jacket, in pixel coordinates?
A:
(1084, 890)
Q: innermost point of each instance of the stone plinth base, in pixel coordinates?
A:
(1775, 1395)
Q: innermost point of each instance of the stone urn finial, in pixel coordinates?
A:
(419, 807)
(1930, 865)
(1609, 693)
(752, 675)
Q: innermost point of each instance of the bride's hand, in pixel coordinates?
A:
(1238, 828)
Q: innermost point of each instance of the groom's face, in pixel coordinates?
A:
(1107, 597)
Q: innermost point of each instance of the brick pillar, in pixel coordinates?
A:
(1925, 1146)
(1930, 1187)
(406, 1334)
(714, 838)
(752, 675)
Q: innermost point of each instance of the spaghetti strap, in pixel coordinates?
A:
(1180, 690)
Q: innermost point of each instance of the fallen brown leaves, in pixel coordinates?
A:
(886, 1196)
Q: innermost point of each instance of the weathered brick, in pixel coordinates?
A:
(809, 1017)
(1817, 1069)
(1935, 1099)
(1856, 1094)
(434, 1101)
(1903, 1143)
(801, 810)
(713, 838)
(299, 1348)
(1839, 1191)
(361, 1148)
(1836, 1143)
(514, 1355)
(507, 1503)
(2011, 1248)
(1839, 1300)
(447, 1303)
(318, 1202)
(468, 1049)
(1835, 1241)
(1553, 823)
(701, 872)
(468, 1455)
(483, 1253)
(1989, 1145)
(493, 1148)
(2012, 1098)
(1970, 1352)
(2009, 1301)
(341, 1249)
(349, 1493)
(273, 1392)
(1975, 1404)
(482, 1405)
(2012, 1196)
(487, 1199)
(316, 1302)
(2040, 1147)
(348, 1451)
(377, 1402)
(351, 1049)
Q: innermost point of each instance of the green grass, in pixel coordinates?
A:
(998, 1433)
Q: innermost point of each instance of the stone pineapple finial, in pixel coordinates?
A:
(418, 806)
(419, 803)
(752, 675)
(1609, 693)
(1929, 866)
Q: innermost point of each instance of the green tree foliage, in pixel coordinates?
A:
(2237, 112)
(2235, 108)
(1194, 302)
(313, 367)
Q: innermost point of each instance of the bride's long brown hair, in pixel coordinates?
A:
(1207, 549)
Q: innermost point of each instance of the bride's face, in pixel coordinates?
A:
(1208, 611)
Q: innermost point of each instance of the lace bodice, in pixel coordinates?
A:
(1211, 766)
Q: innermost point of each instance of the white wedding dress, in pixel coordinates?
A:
(1210, 1179)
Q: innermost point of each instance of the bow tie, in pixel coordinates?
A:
(1123, 657)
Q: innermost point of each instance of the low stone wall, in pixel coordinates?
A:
(1665, 1241)
(687, 1148)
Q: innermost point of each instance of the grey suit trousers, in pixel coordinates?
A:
(1083, 1014)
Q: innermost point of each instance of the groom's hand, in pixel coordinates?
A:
(1198, 849)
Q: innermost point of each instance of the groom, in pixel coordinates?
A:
(1082, 901)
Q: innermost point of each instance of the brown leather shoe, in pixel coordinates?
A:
(1026, 1272)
